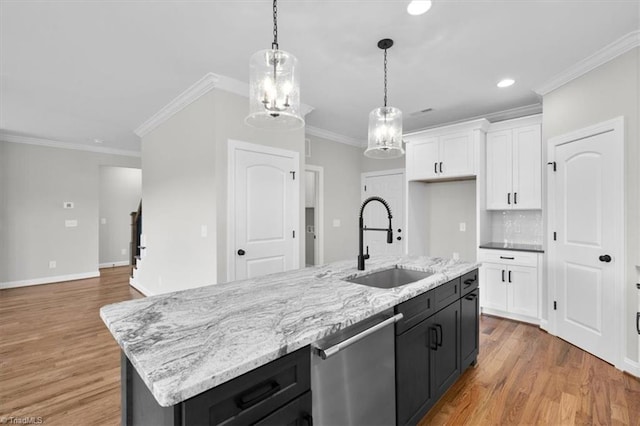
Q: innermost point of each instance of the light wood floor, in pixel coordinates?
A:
(59, 362)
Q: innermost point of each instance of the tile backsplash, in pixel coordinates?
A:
(517, 226)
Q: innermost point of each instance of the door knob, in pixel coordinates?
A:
(241, 252)
(605, 258)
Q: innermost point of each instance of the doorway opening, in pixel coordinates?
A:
(314, 215)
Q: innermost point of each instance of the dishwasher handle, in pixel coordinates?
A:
(332, 350)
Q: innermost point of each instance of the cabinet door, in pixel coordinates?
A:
(494, 286)
(499, 170)
(456, 155)
(523, 290)
(414, 394)
(527, 165)
(445, 365)
(422, 159)
(469, 329)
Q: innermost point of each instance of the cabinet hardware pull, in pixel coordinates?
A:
(433, 344)
(330, 351)
(503, 275)
(257, 393)
(435, 168)
(508, 198)
(638, 322)
(509, 276)
(515, 198)
(507, 257)
(468, 282)
(471, 297)
(440, 335)
(441, 167)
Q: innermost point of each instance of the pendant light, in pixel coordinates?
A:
(385, 123)
(274, 87)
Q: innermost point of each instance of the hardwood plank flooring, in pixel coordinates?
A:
(59, 362)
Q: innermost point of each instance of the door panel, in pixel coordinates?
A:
(494, 287)
(523, 290)
(391, 188)
(527, 180)
(585, 218)
(446, 358)
(265, 211)
(499, 169)
(456, 154)
(422, 158)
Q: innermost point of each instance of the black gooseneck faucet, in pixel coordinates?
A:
(361, 255)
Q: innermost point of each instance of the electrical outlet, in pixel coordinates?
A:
(204, 231)
(336, 223)
(72, 223)
(67, 205)
(456, 255)
(52, 264)
(103, 221)
(123, 252)
(463, 226)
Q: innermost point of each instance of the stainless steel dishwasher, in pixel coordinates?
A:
(353, 374)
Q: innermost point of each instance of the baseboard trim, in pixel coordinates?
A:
(113, 264)
(142, 289)
(49, 280)
(631, 367)
(507, 315)
(544, 324)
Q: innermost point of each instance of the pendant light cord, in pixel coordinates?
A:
(385, 78)
(274, 45)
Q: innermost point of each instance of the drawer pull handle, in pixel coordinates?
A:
(468, 281)
(471, 297)
(257, 394)
(507, 257)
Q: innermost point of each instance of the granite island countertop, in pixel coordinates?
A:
(187, 342)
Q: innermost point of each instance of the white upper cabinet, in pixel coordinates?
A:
(514, 167)
(446, 153)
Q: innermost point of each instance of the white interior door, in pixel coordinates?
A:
(264, 211)
(587, 256)
(389, 186)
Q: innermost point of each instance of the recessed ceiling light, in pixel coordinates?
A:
(505, 83)
(418, 7)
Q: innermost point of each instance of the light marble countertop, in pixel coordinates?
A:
(186, 342)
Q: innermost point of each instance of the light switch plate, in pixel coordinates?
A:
(72, 223)
(67, 205)
(103, 221)
(463, 226)
(336, 223)
(52, 264)
(123, 252)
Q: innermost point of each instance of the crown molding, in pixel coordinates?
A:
(601, 57)
(193, 93)
(514, 113)
(458, 126)
(29, 140)
(326, 134)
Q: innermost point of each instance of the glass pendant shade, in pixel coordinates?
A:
(274, 91)
(385, 133)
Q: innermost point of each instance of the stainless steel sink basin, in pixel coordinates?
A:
(390, 278)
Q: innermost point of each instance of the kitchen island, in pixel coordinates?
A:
(185, 343)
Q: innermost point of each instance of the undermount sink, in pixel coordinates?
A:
(390, 278)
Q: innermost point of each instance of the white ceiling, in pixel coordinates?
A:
(74, 71)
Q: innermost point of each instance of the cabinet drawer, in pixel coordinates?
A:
(254, 395)
(415, 310)
(447, 293)
(508, 257)
(469, 282)
(295, 413)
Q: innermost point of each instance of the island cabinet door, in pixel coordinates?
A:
(469, 329)
(414, 395)
(445, 355)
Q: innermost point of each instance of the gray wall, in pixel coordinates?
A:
(120, 194)
(341, 164)
(607, 92)
(184, 186)
(35, 181)
(373, 165)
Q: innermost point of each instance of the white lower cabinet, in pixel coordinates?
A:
(510, 282)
